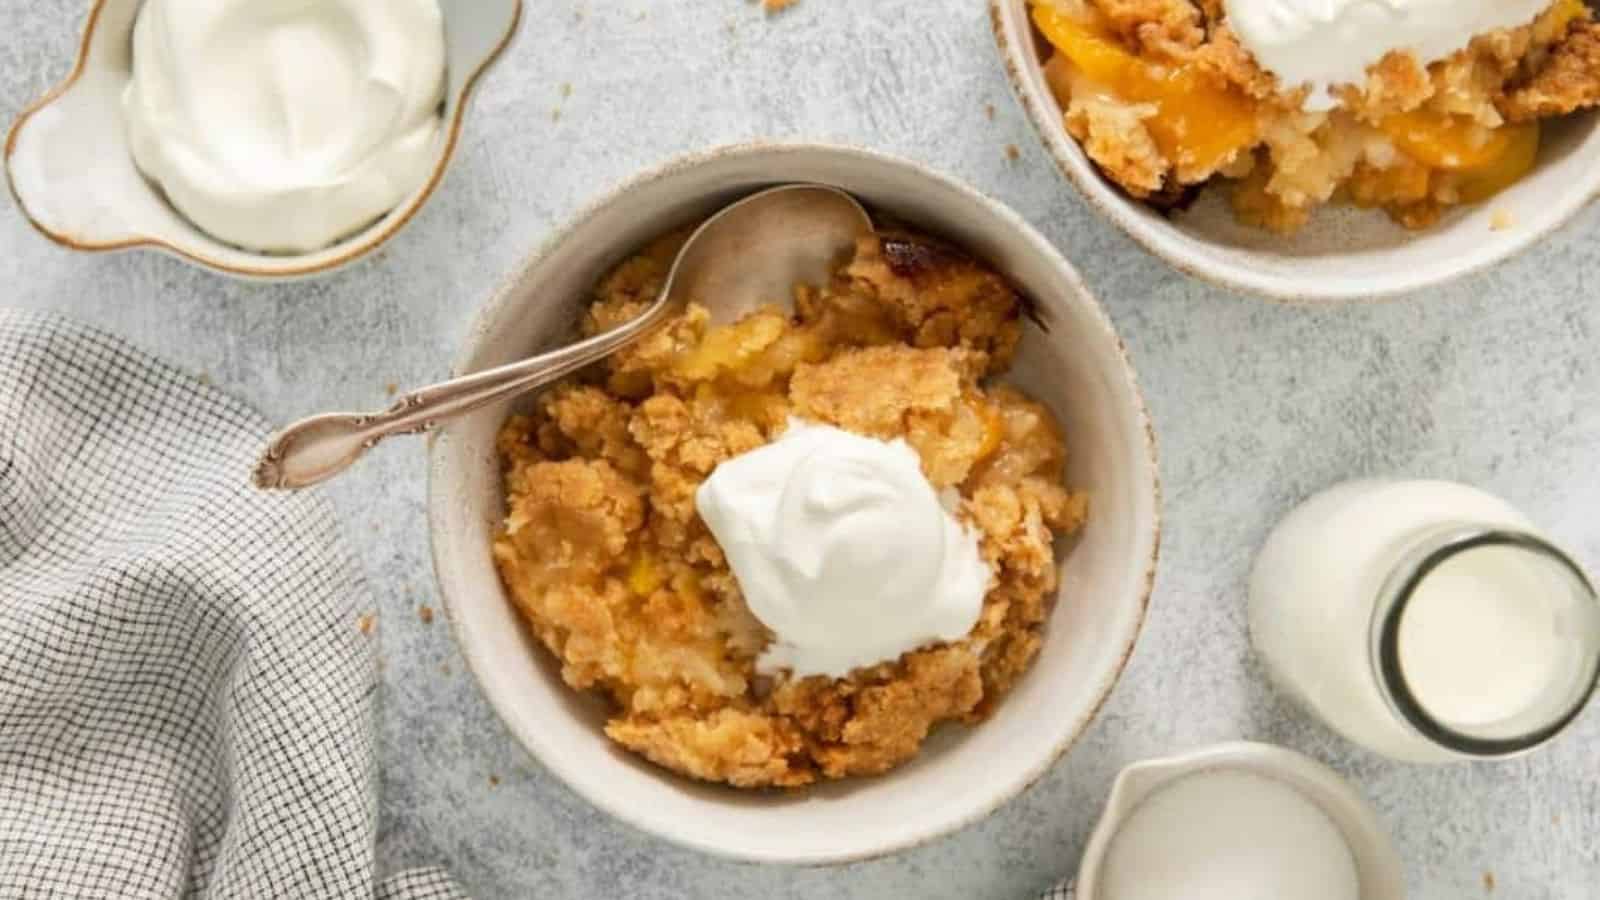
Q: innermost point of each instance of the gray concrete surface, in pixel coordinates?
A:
(1494, 380)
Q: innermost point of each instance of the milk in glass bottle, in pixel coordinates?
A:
(1426, 620)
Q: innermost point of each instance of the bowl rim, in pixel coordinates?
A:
(1315, 780)
(438, 497)
(367, 241)
(1044, 115)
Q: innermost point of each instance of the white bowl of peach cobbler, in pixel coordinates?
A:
(1317, 149)
(824, 582)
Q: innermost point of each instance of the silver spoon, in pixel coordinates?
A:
(750, 253)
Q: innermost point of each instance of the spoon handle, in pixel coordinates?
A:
(315, 449)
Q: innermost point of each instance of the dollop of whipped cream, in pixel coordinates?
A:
(285, 125)
(842, 547)
(1327, 43)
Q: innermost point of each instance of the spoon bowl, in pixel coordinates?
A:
(755, 251)
(750, 253)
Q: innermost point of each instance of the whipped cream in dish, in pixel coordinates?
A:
(843, 548)
(285, 125)
(1327, 43)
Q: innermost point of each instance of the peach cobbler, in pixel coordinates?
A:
(613, 569)
(1165, 96)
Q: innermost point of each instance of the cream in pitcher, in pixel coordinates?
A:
(1426, 620)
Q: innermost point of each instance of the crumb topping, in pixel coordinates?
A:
(1163, 97)
(613, 571)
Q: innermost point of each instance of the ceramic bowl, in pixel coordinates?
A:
(73, 176)
(1344, 253)
(1377, 864)
(1078, 367)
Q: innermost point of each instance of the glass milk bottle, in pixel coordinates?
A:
(1425, 620)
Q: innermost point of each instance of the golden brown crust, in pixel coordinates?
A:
(1114, 135)
(1230, 63)
(1397, 84)
(729, 745)
(1166, 28)
(938, 295)
(1300, 161)
(611, 567)
(1568, 79)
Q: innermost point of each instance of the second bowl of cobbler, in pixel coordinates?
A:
(953, 382)
(1316, 151)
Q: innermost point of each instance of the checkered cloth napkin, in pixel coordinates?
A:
(186, 701)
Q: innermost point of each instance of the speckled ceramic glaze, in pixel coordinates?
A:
(1075, 363)
(70, 169)
(1344, 253)
(1377, 864)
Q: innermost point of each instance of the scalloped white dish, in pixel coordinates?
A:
(69, 167)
